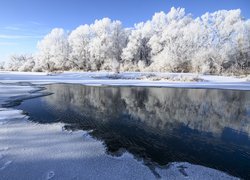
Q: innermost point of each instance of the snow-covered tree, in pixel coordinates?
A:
(171, 51)
(79, 41)
(108, 40)
(221, 30)
(137, 49)
(53, 51)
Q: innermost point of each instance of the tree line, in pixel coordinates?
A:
(214, 43)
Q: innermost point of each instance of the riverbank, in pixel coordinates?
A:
(182, 80)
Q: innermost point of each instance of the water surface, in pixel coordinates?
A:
(156, 125)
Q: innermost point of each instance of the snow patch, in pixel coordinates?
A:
(6, 114)
(185, 170)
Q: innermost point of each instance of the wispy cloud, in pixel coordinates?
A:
(7, 36)
(14, 28)
(8, 43)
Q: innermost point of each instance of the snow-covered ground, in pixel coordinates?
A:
(35, 151)
(188, 80)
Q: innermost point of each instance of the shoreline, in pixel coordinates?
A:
(174, 80)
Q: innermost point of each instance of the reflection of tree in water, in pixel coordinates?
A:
(160, 125)
(202, 110)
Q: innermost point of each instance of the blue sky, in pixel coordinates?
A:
(24, 22)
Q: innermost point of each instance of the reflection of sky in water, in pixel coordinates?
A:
(158, 125)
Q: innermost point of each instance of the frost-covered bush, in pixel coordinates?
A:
(20, 63)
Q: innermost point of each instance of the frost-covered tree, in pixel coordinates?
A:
(210, 44)
(137, 49)
(161, 43)
(106, 46)
(79, 43)
(98, 46)
(53, 51)
(171, 50)
(227, 41)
